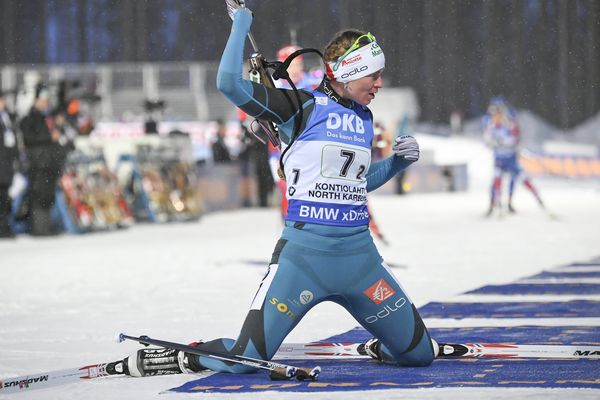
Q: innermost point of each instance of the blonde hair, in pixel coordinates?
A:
(342, 42)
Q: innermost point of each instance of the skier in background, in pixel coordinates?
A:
(502, 134)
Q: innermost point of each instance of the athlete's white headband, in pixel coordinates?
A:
(357, 64)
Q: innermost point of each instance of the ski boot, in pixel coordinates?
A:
(452, 350)
(155, 361)
(371, 348)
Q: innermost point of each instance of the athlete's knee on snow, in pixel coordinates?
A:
(419, 352)
(421, 355)
(414, 350)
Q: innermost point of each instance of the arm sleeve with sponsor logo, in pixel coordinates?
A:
(384, 170)
(276, 105)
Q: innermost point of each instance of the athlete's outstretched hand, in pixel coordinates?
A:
(407, 148)
(233, 6)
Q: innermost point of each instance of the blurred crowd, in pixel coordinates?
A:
(36, 135)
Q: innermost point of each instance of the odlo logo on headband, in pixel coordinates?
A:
(354, 72)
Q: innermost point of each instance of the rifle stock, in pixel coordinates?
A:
(259, 74)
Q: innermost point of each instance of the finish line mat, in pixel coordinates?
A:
(362, 374)
(343, 375)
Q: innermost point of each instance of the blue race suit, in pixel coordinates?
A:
(326, 252)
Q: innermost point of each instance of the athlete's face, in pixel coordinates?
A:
(364, 89)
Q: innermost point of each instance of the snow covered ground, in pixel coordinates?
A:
(63, 299)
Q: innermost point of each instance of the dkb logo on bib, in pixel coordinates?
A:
(347, 122)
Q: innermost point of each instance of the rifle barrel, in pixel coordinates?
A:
(252, 42)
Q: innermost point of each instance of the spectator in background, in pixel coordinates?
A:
(154, 110)
(382, 142)
(83, 124)
(244, 159)
(263, 173)
(67, 132)
(254, 154)
(219, 148)
(46, 159)
(8, 157)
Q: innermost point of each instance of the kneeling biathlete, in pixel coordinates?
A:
(326, 252)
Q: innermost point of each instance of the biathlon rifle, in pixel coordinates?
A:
(258, 73)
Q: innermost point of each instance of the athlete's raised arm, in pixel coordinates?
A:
(256, 100)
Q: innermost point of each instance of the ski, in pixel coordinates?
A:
(277, 371)
(320, 350)
(297, 351)
(474, 350)
(54, 378)
(498, 350)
